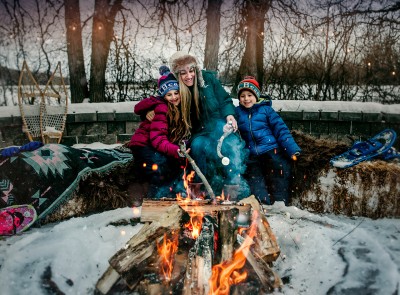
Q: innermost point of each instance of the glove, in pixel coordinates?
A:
(31, 146)
(10, 151)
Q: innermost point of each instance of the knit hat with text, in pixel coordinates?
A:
(249, 83)
(167, 81)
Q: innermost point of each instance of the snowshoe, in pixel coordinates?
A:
(365, 150)
(16, 219)
(390, 154)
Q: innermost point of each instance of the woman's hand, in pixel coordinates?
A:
(231, 119)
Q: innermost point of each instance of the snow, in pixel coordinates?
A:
(318, 253)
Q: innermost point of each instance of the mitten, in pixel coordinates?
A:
(31, 146)
(9, 152)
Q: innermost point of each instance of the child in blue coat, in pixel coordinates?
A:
(271, 145)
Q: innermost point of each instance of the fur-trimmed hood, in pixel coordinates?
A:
(179, 59)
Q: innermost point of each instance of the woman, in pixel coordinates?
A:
(154, 145)
(211, 108)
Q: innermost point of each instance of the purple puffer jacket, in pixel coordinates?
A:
(154, 133)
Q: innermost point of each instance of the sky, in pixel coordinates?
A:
(319, 253)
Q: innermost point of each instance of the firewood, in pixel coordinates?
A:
(139, 249)
(227, 228)
(268, 278)
(152, 209)
(266, 246)
(200, 260)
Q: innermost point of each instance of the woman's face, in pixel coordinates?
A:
(173, 97)
(187, 74)
(247, 99)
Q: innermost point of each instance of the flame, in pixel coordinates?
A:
(194, 225)
(136, 211)
(166, 252)
(226, 274)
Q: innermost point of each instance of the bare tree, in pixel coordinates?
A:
(252, 62)
(105, 12)
(77, 74)
(212, 35)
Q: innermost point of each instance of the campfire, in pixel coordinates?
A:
(191, 246)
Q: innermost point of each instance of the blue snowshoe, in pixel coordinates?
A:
(390, 154)
(365, 150)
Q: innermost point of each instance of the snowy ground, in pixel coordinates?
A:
(321, 254)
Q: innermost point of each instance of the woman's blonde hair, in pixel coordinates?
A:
(186, 99)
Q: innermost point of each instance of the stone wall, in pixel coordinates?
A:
(117, 127)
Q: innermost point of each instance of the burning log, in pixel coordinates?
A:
(200, 261)
(152, 209)
(227, 232)
(266, 246)
(139, 249)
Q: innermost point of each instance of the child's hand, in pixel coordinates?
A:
(227, 128)
(150, 115)
(294, 157)
(231, 119)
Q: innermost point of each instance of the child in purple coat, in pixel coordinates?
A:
(155, 144)
(270, 143)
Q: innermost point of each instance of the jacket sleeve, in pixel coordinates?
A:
(225, 101)
(159, 132)
(282, 133)
(147, 104)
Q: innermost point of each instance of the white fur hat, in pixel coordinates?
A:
(179, 59)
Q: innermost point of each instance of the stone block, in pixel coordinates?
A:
(88, 117)
(126, 117)
(70, 118)
(339, 127)
(76, 129)
(319, 127)
(122, 138)
(88, 138)
(291, 115)
(350, 116)
(329, 116)
(303, 126)
(108, 138)
(391, 118)
(101, 117)
(69, 140)
(360, 128)
(372, 117)
(96, 128)
(116, 128)
(311, 116)
(131, 127)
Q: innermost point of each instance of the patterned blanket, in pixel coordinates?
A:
(48, 176)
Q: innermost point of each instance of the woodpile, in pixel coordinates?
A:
(197, 248)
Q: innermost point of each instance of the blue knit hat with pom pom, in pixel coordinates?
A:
(167, 81)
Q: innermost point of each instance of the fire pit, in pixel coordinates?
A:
(197, 248)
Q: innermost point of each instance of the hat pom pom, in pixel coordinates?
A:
(164, 70)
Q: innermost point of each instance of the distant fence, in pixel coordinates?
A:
(110, 127)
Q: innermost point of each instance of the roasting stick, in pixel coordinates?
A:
(225, 160)
(196, 168)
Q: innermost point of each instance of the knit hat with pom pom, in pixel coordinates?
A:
(249, 83)
(167, 81)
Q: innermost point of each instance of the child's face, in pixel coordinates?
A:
(247, 99)
(173, 97)
(187, 74)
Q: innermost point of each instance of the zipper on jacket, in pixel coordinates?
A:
(251, 133)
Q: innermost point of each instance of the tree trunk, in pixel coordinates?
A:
(77, 75)
(252, 61)
(212, 35)
(102, 34)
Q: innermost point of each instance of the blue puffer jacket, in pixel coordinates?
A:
(263, 129)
